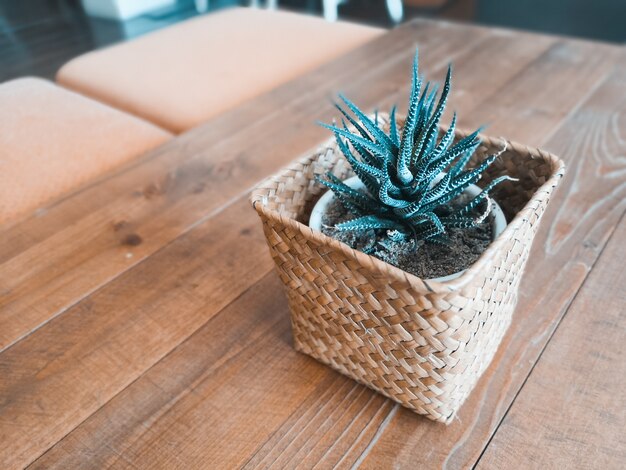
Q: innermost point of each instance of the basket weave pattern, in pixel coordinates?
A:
(421, 343)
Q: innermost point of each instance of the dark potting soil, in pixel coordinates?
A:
(428, 260)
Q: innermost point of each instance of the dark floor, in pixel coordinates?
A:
(38, 36)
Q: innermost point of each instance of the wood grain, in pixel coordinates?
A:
(93, 363)
(282, 447)
(208, 390)
(571, 412)
(53, 379)
(49, 262)
(587, 207)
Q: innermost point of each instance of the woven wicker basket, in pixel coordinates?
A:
(421, 343)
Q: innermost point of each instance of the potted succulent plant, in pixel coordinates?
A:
(411, 190)
(406, 276)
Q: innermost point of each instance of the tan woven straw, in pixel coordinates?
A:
(421, 343)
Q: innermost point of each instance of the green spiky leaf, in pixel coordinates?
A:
(368, 222)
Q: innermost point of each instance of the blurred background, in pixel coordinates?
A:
(38, 36)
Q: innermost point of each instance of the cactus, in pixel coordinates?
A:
(412, 173)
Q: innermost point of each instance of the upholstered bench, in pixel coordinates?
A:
(183, 75)
(53, 140)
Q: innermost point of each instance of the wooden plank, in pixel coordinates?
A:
(582, 215)
(49, 262)
(99, 346)
(55, 378)
(104, 435)
(571, 412)
(225, 417)
(545, 99)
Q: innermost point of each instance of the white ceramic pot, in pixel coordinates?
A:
(496, 217)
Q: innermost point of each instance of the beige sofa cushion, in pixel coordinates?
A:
(185, 74)
(53, 140)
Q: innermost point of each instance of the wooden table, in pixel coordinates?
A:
(142, 324)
